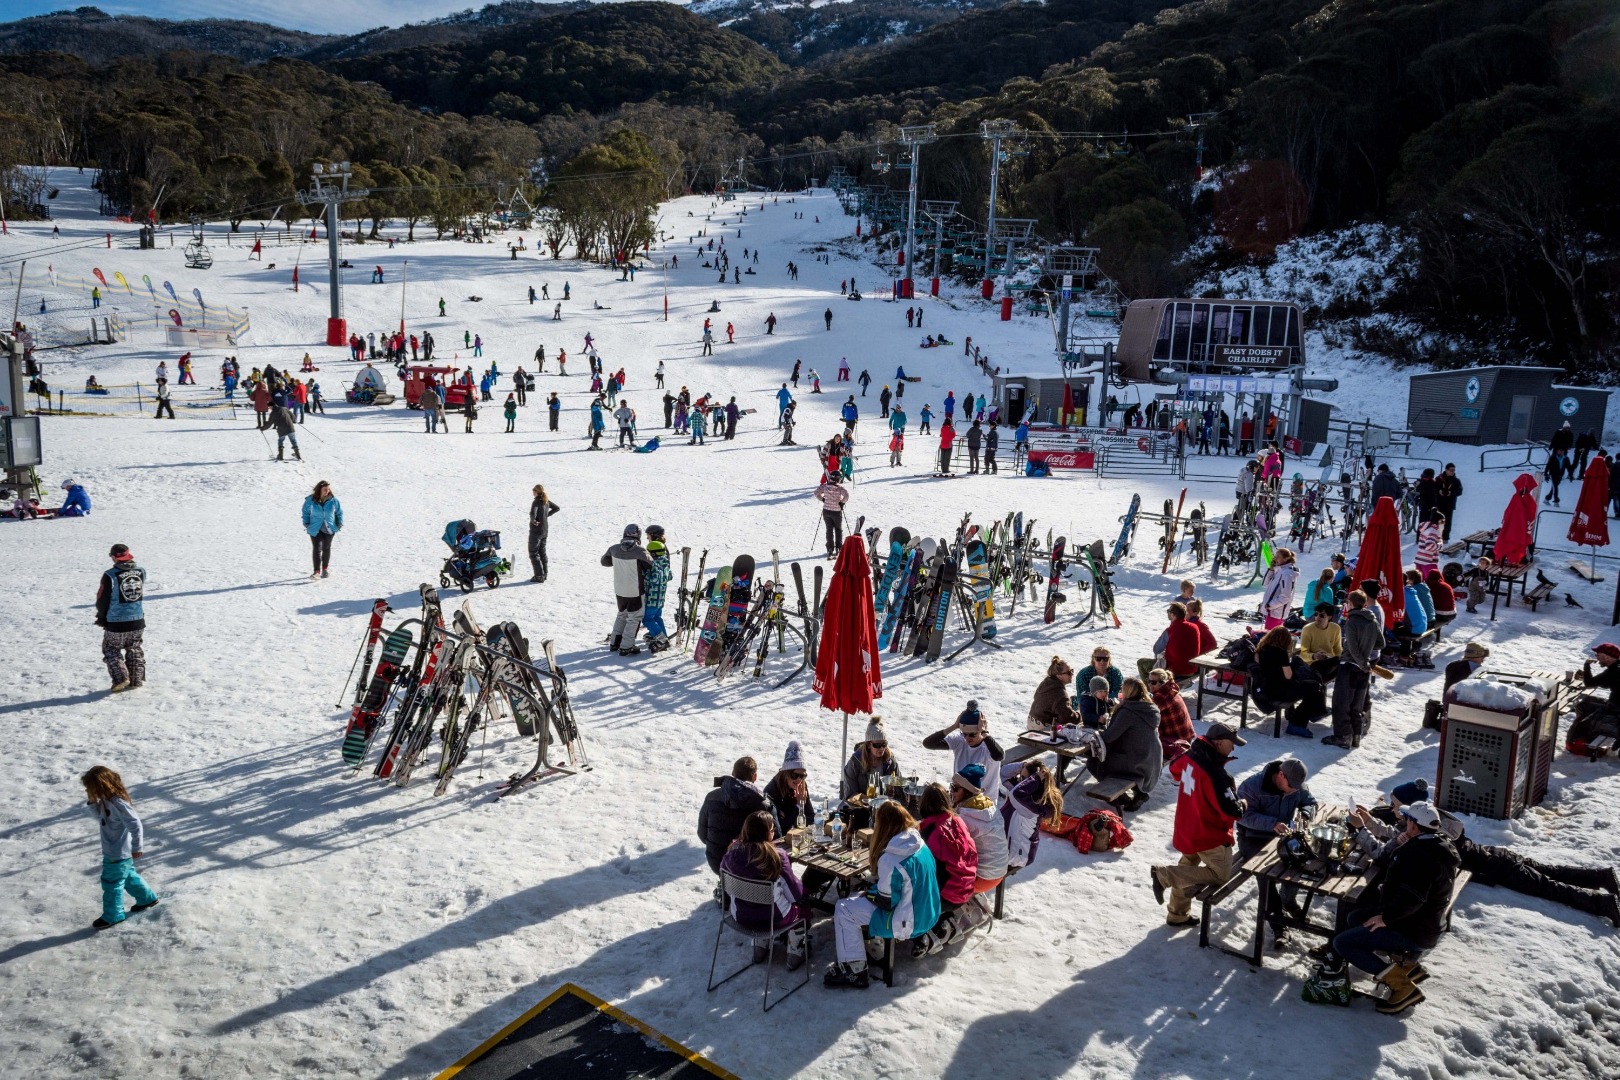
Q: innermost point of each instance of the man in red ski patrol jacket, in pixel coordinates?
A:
(1207, 806)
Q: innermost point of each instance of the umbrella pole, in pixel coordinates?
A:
(844, 755)
(1594, 576)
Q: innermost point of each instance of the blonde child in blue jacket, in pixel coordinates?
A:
(121, 844)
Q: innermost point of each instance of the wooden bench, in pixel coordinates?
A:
(1456, 547)
(1538, 594)
(1111, 790)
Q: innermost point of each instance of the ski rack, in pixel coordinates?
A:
(966, 595)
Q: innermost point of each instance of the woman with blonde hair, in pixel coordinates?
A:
(1034, 800)
(122, 842)
(902, 902)
(1278, 595)
(540, 512)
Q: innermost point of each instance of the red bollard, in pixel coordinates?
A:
(1006, 309)
(987, 288)
(933, 287)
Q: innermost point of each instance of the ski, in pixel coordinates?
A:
(379, 608)
(1170, 531)
(944, 592)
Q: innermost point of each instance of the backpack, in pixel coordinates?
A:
(1329, 984)
(1240, 653)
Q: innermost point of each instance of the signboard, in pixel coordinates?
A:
(1293, 445)
(1471, 389)
(1253, 356)
(1059, 451)
(1240, 384)
(21, 446)
(1569, 406)
(1468, 414)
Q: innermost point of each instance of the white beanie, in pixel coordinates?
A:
(793, 760)
(874, 731)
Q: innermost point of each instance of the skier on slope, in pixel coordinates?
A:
(597, 425)
(630, 563)
(657, 589)
(833, 496)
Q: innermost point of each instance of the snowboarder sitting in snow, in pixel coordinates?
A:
(91, 386)
(630, 564)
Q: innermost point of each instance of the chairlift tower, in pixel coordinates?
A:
(1198, 122)
(915, 137)
(329, 184)
(995, 131)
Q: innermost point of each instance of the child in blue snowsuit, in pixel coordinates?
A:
(122, 843)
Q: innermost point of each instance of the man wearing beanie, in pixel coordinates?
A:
(1271, 799)
(969, 742)
(1207, 806)
(630, 563)
(1405, 913)
(123, 620)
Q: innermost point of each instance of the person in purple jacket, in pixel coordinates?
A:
(756, 856)
(1033, 798)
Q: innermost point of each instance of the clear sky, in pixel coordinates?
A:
(320, 16)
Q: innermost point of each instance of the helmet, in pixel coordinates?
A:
(67, 485)
(655, 532)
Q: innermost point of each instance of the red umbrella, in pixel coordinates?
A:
(1513, 541)
(1380, 559)
(1591, 525)
(1068, 404)
(848, 677)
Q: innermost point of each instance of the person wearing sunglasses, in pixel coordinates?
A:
(970, 743)
(870, 759)
(1102, 663)
(789, 793)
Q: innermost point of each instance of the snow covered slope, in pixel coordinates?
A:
(314, 923)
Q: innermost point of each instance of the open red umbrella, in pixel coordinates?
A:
(1380, 559)
(848, 677)
(1518, 520)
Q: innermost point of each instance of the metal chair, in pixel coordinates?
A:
(762, 893)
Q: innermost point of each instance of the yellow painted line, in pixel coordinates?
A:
(600, 1006)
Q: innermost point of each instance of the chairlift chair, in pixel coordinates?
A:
(198, 257)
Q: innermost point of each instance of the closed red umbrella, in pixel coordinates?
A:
(1068, 404)
(1380, 559)
(848, 676)
(1518, 520)
(1591, 525)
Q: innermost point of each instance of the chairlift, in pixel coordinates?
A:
(198, 257)
(881, 165)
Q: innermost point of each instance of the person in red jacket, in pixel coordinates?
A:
(1206, 636)
(947, 438)
(955, 855)
(1181, 642)
(1207, 807)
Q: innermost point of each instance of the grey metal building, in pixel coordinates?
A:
(1014, 393)
(1486, 405)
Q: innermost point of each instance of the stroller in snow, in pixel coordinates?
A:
(473, 556)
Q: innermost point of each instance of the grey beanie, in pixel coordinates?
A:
(1098, 682)
(1295, 770)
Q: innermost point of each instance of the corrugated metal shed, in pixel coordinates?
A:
(1501, 404)
(1013, 393)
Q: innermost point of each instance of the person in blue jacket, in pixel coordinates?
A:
(1021, 437)
(850, 414)
(78, 500)
(323, 517)
(122, 618)
(598, 425)
(784, 398)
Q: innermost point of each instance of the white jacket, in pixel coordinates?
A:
(989, 836)
(1279, 590)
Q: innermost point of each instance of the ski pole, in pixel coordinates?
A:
(350, 675)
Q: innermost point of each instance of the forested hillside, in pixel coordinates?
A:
(1488, 131)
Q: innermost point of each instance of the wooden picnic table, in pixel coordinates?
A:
(1500, 583)
(1043, 741)
(846, 867)
(1266, 866)
(1484, 539)
(1228, 684)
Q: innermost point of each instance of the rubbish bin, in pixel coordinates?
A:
(1495, 759)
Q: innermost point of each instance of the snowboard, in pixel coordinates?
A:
(1102, 580)
(904, 585)
(943, 592)
(418, 682)
(1054, 579)
(898, 539)
(984, 606)
(506, 637)
(1127, 531)
(1198, 530)
(366, 716)
(742, 591)
(922, 597)
(709, 632)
